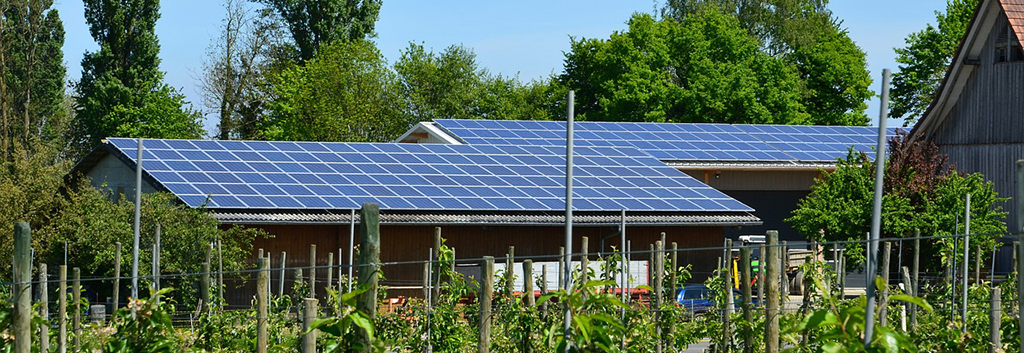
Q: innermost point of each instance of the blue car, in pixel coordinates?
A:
(698, 298)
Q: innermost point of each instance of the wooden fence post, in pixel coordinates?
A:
(584, 260)
(561, 267)
(312, 270)
(204, 284)
(280, 285)
(44, 310)
(772, 294)
(510, 273)
(884, 300)
(435, 282)
(761, 276)
(529, 300)
(528, 283)
(805, 306)
(62, 309)
(308, 316)
(220, 272)
(76, 296)
(909, 291)
(22, 288)
(156, 260)
(652, 265)
(544, 286)
(426, 284)
(673, 278)
(977, 264)
(117, 278)
(728, 308)
(262, 304)
(842, 274)
(369, 265)
(784, 277)
(995, 318)
(914, 280)
(330, 271)
(748, 311)
(486, 297)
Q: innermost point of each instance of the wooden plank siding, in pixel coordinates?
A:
(402, 243)
(984, 131)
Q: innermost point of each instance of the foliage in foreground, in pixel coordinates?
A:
(840, 327)
(922, 191)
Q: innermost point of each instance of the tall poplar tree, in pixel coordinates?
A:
(314, 23)
(122, 92)
(31, 72)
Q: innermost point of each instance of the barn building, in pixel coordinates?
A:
(485, 197)
(977, 115)
(767, 167)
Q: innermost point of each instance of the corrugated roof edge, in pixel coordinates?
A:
(744, 165)
(519, 218)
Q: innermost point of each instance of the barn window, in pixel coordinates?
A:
(1007, 46)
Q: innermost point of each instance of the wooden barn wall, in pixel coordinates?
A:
(411, 243)
(984, 132)
(756, 180)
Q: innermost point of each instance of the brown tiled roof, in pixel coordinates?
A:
(1014, 10)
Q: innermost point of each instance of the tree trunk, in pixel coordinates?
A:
(3, 95)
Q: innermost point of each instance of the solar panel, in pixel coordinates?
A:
(285, 175)
(683, 142)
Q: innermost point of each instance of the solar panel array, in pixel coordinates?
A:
(324, 176)
(682, 142)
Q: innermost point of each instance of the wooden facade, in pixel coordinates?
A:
(773, 194)
(978, 116)
(410, 243)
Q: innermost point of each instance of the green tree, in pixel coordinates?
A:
(30, 190)
(439, 86)
(705, 69)
(235, 80)
(32, 73)
(921, 191)
(925, 59)
(345, 93)
(92, 224)
(835, 78)
(450, 85)
(780, 26)
(121, 92)
(314, 23)
(832, 68)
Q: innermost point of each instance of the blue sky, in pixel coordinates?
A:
(525, 38)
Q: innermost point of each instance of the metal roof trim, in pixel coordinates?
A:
(522, 219)
(746, 165)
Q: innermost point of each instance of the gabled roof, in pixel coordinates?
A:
(264, 181)
(965, 61)
(1014, 10)
(683, 145)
